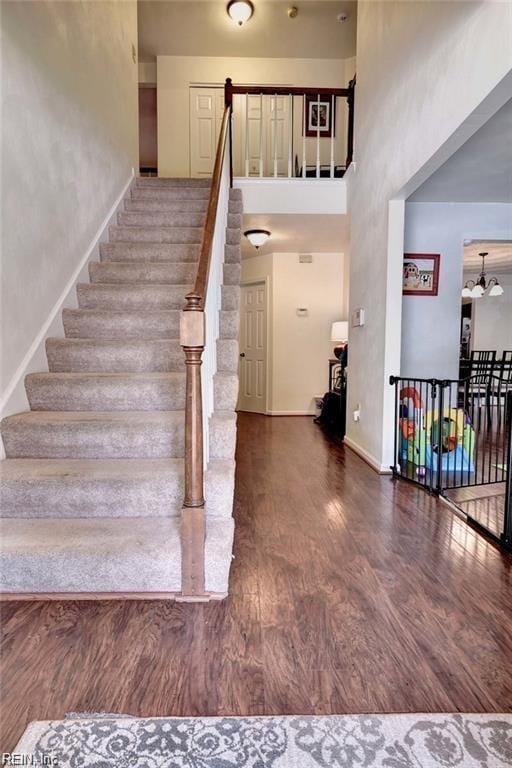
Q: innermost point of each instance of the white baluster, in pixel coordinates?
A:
(333, 115)
(261, 135)
(275, 135)
(318, 138)
(246, 134)
(290, 134)
(304, 129)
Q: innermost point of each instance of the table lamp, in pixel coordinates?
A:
(339, 333)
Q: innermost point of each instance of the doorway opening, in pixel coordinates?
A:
(148, 130)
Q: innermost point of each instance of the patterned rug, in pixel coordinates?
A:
(334, 741)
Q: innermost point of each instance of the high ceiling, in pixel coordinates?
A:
(480, 171)
(203, 28)
(319, 233)
(499, 259)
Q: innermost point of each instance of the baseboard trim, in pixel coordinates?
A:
(382, 469)
(291, 413)
(11, 597)
(14, 395)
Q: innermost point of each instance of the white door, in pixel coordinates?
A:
(206, 110)
(278, 136)
(253, 348)
(262, 135)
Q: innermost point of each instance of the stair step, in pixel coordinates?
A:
(142, 272)
(155, 234)
(232, 254)
(129, 296)
(173, 252)
(170, 193)
(230, 297)
(171, 181)
(228, 355)
(105, 391)
(42, 488)
(170, 204)
(116, 324)
(94, 435)
(114, 355)
(225, 389)
(222, 435)
(161, 219)
(229, 324)
(232, 274)
(91, 555)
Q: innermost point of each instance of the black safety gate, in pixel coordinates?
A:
(454, 437)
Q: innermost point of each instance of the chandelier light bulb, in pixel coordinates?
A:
(477, 292)
(496, 290)
(466, 292)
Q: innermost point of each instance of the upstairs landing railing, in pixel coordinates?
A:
(291, 132)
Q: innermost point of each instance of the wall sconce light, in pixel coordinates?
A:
(240, 11)
(257, 237)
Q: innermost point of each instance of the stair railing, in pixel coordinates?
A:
(308, 116)
(199, 330)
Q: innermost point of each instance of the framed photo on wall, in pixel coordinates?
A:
(320, 118)
(420, 274)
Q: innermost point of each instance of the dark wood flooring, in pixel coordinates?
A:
(349, 593)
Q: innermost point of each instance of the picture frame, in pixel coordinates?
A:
(420, 275)
(327, 116)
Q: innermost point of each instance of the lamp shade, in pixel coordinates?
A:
(257, 237)
(339, 330)
(240, 11)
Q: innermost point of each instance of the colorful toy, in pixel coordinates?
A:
(432, 440)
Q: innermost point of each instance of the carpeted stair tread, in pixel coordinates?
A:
(101, 323)
(106, 391)
(41, 488)
(142, 272)
(130, 296)
(161, 218)
(171, 252)
(157, 182)
(155, 234)
(94, 434)
(169, 204)
(114, 355)
(91, 555)
(170, 193)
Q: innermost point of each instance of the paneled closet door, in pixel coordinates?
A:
(206, 109)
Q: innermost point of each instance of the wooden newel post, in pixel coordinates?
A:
(228, 102)
(350, 128)
(192, 340)
(228, 92)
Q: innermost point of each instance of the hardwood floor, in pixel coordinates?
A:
(350, 593)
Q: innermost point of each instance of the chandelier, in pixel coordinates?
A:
(474, 289)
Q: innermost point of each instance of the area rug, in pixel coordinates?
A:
(334, 741)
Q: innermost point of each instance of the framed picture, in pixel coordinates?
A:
(320, 118)
(420, 274)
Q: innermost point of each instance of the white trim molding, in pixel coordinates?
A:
(14, 398)
(283, 195)
(382, 469)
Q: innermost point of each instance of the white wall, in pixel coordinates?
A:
(299, 347)
(422, 69)
(69, 111)
(492, 318)
(431, 324)
(175, 75)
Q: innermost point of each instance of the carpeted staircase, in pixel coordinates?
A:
(93, 483)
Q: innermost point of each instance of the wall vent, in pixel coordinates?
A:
(305, 258)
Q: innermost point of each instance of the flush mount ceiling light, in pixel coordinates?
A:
(257, 237)
(474, 289)
(240, 11)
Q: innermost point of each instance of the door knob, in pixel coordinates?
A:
(242, 354)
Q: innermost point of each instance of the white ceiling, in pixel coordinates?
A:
(297, 234)
(203, 28)
(480, 171)
(499, 259)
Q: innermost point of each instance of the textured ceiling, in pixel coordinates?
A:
(190, 28)
(480, 171)
(297, 234)
(498, 260)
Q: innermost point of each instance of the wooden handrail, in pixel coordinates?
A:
(285, 90)
(203, 270)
